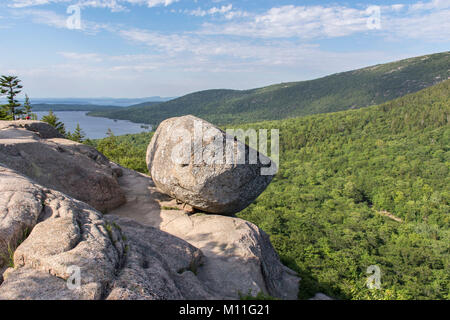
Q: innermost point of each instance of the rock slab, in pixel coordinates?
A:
(237, 256)
(37, 150)
(116, 258)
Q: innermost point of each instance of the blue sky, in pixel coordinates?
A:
(140, 48)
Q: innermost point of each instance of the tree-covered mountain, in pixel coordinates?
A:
(360, 188)
(342, 91)
(356, 188)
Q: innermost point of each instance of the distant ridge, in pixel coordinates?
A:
(341, 91)
(71, 107)
(104, 101)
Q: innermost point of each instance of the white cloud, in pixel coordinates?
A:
(243, 50)
(236, 14)
(225, 10)
(31, 3)
(214, 10)
(159, 74)
(113, 5)
(433, 26)
(423, 20)
(212, 54)
(431, 5)
(60, 21)
(86, 57)
(297, 21)
(396, 7)
(154, 3)
(46, 17)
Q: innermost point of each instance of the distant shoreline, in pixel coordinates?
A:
(97, 127)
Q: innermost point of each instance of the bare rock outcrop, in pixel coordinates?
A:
(195, 162)
(158, 266)
(38, 151)
(117, 258)
(21, 204)
(150, 247)
(237, 256)
(66, 232)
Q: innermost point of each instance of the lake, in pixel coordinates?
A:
(94, 127)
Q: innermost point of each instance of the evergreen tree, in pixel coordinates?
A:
(78, 135)
(3, 114)
(53, 120)
(28, 109)
(10, 86)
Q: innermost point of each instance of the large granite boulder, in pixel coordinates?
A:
(115, 258)
(197, 163)
(38, 151)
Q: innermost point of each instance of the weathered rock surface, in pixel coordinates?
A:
(36, 150)
(66, 233)
(21, 204)
(148, 248)
(187, 159)
(238, 256)
(158, 266)
(42, 129)
(117, 258)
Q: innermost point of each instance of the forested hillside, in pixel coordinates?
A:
(128, 150)
(342, 91)
(341, 175)
(356, 188)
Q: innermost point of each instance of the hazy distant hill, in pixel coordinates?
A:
(118, 102)
(79, 107)
(341, 91)
(72, 107)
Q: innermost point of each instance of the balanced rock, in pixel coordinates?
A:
(195, 162)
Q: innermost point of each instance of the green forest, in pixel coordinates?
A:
(342, 91)
(355, 188)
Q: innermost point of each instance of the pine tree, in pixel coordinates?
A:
(78, 135)
(3, 113)
(10, 86)
(28, 109)
(53, 120)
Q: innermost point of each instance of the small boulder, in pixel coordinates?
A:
(195, 162)
(42, 129)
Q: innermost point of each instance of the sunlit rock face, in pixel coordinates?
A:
(197, 163)
(38, 151)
